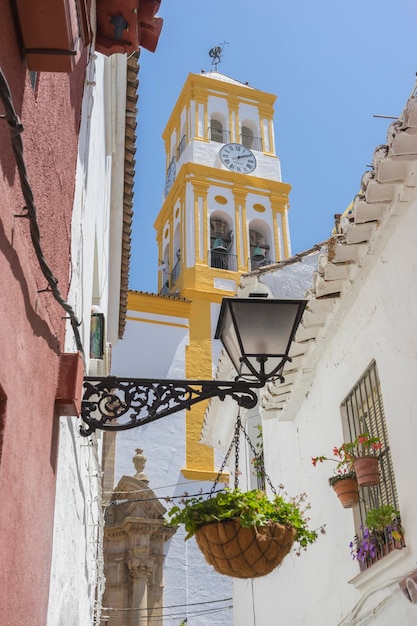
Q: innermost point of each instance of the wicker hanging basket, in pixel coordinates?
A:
(244, 552)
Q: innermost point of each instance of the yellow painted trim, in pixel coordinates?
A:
(223, 178)
(198, 366)
(151, 303)
(261, 120)
(206, 123)
(240, 196)
(200, 188)
(146, 321)
(231, 124)
(277, 242)
(233, 108)
(183, 227)
(197, 282)
(287, 240)
(196, 118)
(198, 87)
(271, 138)
(204, 475)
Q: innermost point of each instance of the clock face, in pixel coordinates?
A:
(170, 177)
(238, 158)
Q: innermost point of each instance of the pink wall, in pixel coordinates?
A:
(31, 325)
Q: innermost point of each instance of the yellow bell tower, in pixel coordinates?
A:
(224, 214)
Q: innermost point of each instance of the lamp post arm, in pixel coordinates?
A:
(115, 404)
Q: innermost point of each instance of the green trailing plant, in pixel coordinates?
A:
(333, 480)
(383, 517)
(381, 532)
(252, 508)
(258, 459)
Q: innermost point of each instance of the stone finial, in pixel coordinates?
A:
(139, 461)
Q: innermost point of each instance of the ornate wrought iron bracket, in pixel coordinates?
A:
(116, 404)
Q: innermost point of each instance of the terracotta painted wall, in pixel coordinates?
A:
(32, 325)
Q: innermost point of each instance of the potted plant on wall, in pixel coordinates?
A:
(343, 481)
(363, 451)
(381, 534)
(244, 534)
(355, 460)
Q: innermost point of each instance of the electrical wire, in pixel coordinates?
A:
(174, 615)
(171, 606)
(167, 498)
(16, 128)
(186, 482)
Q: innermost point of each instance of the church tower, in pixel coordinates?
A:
(225, 208)
(224, 214)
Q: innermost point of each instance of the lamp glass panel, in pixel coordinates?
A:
(262, 327)
(226, 331)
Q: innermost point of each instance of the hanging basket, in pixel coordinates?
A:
(244, 552)
(347, 491)
(367, 470)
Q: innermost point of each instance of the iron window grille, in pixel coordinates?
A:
(219, 135)
(251, 142)
(223, 261)
(176, 271)
(363, 412)
(181, 147)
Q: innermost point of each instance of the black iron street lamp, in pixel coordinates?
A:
(257, 334)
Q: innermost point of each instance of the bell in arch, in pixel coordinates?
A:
(219, 245)
(258, 254)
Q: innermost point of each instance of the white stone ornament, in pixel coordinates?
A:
(238, 158)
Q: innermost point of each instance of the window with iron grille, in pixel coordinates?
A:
(363, 412)
(256, 474)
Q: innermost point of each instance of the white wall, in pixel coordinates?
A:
(380, 323)
(157, 350)
(77, 563)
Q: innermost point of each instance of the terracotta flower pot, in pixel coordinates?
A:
(244, 552)
(367, 470)
(347, 491)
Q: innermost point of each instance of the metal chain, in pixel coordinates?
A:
(262, 468)
(238, 427)
(235, 443)
(223, 465)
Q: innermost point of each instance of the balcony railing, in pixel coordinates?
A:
(256, 264)
(175, 272)
(165, 288)
(223, 261)
(181, 147)
(221, 136)
(251, 142)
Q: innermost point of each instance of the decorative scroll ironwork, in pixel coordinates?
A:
(115, 404)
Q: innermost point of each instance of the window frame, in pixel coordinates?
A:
(362, 411)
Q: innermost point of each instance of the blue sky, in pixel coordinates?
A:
(333, 66)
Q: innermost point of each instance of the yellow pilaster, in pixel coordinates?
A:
(233, 103)
(240, 221)
(200, 221)
(198, 366)
(279, 205)
(266, 112)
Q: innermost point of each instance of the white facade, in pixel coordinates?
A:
(361, 308)
(154, 347)
(77, 580)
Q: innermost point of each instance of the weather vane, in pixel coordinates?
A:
(216, 54)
